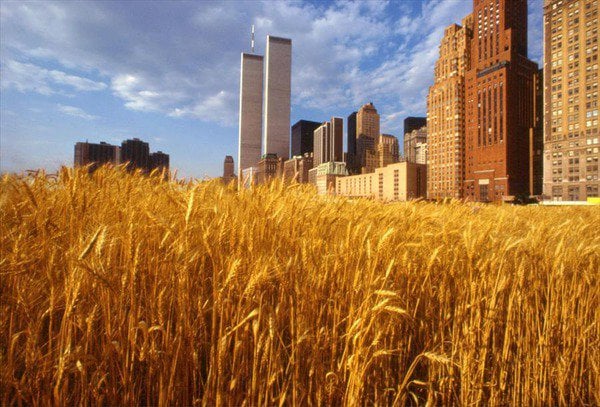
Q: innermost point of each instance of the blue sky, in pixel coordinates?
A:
(168, 72)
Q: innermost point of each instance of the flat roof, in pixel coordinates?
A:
(279, 39)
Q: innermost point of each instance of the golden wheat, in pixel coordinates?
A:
(121, 289)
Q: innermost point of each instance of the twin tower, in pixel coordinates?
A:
(265, 129)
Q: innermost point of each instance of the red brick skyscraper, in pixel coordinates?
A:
(499, 102)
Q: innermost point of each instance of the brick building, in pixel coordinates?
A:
(499, 102)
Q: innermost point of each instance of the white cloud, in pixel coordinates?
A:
(185, 63)
(30, 77)
(76, 112)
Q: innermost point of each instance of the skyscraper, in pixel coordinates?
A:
(278, 81)
(250, 119)
(367, 121)
(446, 114)
(351, 141)
(303, 136)
(328, 141)
(499, 102)
(571, 139)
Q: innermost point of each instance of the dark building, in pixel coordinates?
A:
(351, 157)
(536, 138)
(136, 153)
(499, 102)
(414, 123)
(302, 137)
(228, 168)
(95, 154)
(159, 161)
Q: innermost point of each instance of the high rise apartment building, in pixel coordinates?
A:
(328, 141)
(136, 154)
(571, 139)
(158, 161)
(96, 154)
(278, 82)
(250, 116)
(303, 137)
(499, 102)
(446, 114)
(388, 151)
(410, 143)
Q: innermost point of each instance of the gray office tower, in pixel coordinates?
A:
(303, 137)
(278, 83)
(250, 119)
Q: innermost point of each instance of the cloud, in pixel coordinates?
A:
(183, 60)
(30, 77)
(76, 112)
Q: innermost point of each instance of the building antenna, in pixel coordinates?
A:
(252, 38)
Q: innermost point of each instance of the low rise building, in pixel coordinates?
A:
(297, 167)
(324, 176)
(396, 182)
(248, 177)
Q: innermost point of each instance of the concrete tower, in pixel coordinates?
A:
(278, 81)
(250, 120)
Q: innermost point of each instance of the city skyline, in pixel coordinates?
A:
(53, 96)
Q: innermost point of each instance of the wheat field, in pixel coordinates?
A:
(121, 289)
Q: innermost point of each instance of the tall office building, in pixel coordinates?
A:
(410, 143)
(499, 102)
(446, 114)
(95, 154)
(388, 151)
(278, 81)
(250, 118)
(571, 139)
(414, 123)
(303, 136)
(328, 142)
(136, 153)
(351, 141)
